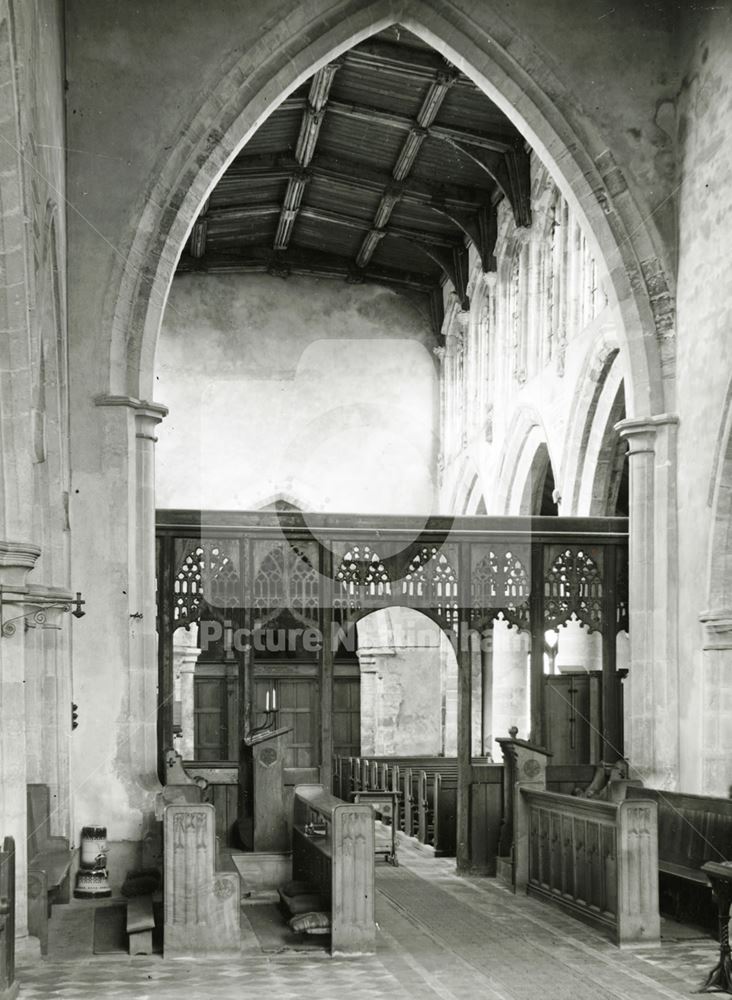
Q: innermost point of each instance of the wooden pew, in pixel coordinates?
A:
(598, 860)
(692, 829)
(439, 813)
(439, 822)
(8, 985)
(340, 864)
(201, 904)
(49, 864)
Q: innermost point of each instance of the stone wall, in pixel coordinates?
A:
(35, 707)
(321, 392)
(704, 117)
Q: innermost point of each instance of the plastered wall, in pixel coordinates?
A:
(319, 391)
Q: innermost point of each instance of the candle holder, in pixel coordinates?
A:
(269, 724)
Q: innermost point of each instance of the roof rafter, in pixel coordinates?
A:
(278, 166)
(308, 262)
(236, 213)
(312, 120)
(436, 93)
(499, 141)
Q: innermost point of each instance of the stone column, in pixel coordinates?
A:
(510, 680)
(185, 657)
(578, 648)
(652, 688)
(369, 700)
(115, 655)
(16, 561)
(716, 696)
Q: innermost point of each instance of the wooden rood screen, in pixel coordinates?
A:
(276, 596)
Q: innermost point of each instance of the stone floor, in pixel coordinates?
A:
(439, 936)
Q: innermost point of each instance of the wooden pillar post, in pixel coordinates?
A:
(612, 748)
(536, 606)
(326, 667)
(464, 711)
(166, 574)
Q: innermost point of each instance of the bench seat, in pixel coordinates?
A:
(49, 864)
(56, 863)
(692, 829)
(140, 925)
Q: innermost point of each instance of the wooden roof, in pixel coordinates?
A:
(381, 167)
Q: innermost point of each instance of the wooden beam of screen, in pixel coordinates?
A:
(436, 94)
(312, 120)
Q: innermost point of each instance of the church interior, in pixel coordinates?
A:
(366, 559)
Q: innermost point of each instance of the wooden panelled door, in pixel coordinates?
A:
(211, 730)
(574, 717)
(297, 702)
(347, 716)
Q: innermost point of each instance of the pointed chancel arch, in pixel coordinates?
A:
(528, 92)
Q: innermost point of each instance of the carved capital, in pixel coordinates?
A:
(640, 433)
(717, 627)
(17, 559)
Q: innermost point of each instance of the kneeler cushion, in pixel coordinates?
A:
(314, 922)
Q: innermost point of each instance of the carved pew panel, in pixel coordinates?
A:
(201, 904)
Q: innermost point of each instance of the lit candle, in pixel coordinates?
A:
(274, 699)
(266, 704)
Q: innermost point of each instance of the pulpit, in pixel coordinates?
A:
(262, 815)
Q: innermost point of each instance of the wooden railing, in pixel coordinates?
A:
(598, 860)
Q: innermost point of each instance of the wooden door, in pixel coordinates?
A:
(210, 714)
(573, 718)
(297, 703)
(347, 716)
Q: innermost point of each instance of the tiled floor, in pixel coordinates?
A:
(440, 936)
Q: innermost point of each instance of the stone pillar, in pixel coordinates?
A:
(369, 700)
(486, 694)
(16, 561)
(115, 656)
(510, 679)
(716, 697)
(449, 674)
(652, 688)
(185, 657)
(578, 648)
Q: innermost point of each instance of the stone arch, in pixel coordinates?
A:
(467, 494)
(623, 234)
(409, 673)
(594, 454)
(524, 465)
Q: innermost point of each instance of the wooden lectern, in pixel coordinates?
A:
(262, 817)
